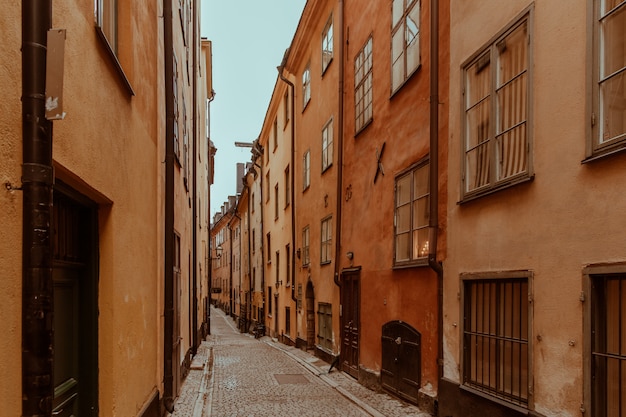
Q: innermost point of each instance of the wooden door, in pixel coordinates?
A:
(350, 322)
(310, 316)
(75, 295)
(401, 360)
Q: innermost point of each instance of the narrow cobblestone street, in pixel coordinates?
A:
(235, 375)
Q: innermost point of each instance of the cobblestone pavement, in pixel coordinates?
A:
(236, 375)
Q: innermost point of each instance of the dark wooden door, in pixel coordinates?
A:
(350, 322)
(75, 294)
(401, 362)
(310, 316)
(66, 341)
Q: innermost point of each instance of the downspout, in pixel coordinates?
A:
(339, 145)
(194, 194)
(37, 181)
(262, 247)
(249, 304)
(292, 179)
(433, 222)
(168, 320)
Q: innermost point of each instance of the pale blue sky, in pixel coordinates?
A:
(249, 39)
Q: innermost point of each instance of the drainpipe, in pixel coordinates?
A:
(37, 180)
(194, 196)
(168, 320)
(249, 304)
(262, 246)
(292, 179)
(339, 146)
(433, 222)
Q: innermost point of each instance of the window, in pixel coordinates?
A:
(609, 101)
(276, 202)
(269, 249)
(606, 335)
(306, 86)
(305, 246)
(253, 240)
(327, 145)
(275, 133)
(327, 44)
(325, 325)
(252, 202)
(288, 269)
(411, 216)
(277, 267)
(287, 321)
(327, 233)
(106, 20)
(405, 42)
(175, 105)
(287, 187)
(496, 352)
(267, 191)
(496, 105)
(269, 300)
(306, 170)
(286, 107)
(363, 86)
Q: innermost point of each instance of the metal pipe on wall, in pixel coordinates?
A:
(37, 182)
(433, 222)
(168, 320)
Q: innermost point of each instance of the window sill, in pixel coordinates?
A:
(419, 263)
(496, 188)
(362, 128)
(496, 400)
(325, 263)
(115, 61)
(605, 153)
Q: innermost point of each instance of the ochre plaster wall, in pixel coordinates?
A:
(11, 210)
(565, 219)
(402, 123)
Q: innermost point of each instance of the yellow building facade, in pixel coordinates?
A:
(105, 276)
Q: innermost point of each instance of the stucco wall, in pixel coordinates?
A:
(566, 218)
(10, 209)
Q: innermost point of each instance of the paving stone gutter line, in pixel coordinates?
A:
(322, 375)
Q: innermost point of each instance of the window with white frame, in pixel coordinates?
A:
(496, 334)
(606, 335)
(325, 325)
(327, 44)
(306, 86)
(106, 20)
(496, 136)
(275, 133)
(327, 145)
(326, 240)
(276, 211)
(609, 102)
(412, 216)
(286, 107)
(287, 187)
(306, 259)
(363, 86)
(306, 170)
(405, 41)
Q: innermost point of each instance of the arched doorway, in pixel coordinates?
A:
(402, 358)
